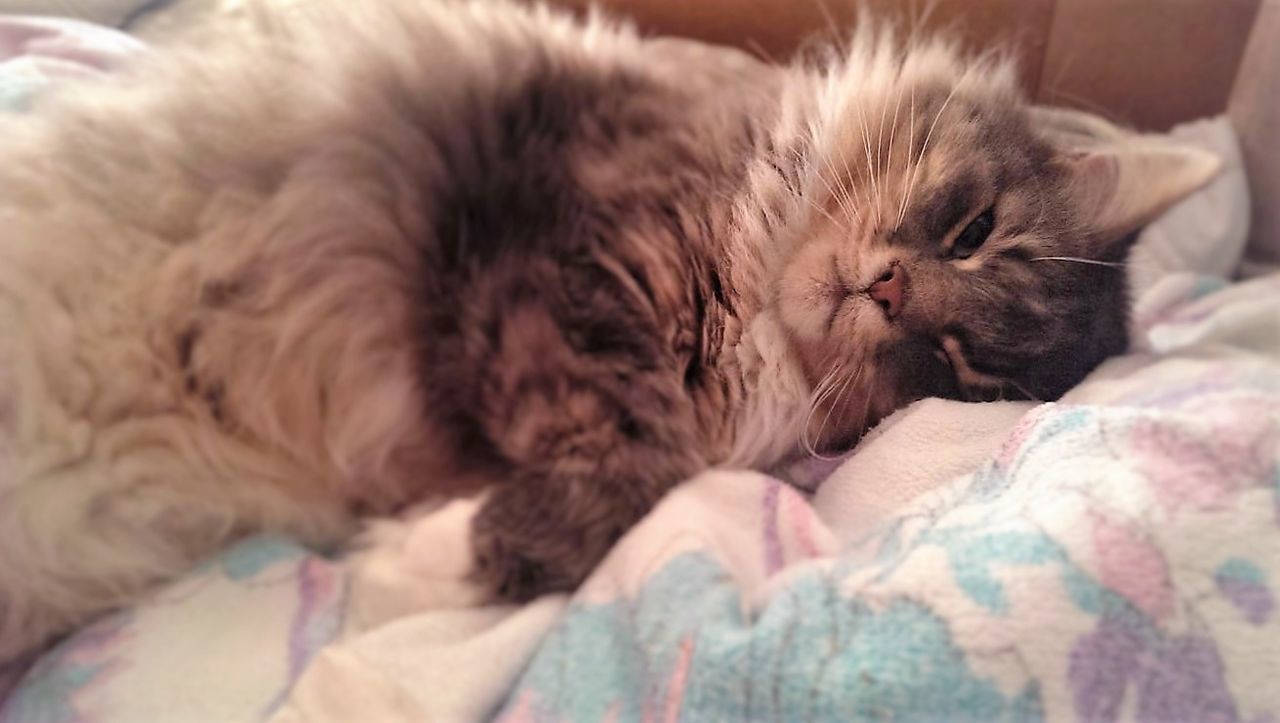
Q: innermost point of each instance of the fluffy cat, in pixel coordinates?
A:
(379, 253)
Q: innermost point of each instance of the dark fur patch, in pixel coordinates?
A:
(569, 315)
(211, 393)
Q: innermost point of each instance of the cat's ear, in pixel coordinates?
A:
(1071, 130)
(1119, 189)
(1120, 181)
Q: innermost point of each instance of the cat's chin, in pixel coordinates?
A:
(836, 425)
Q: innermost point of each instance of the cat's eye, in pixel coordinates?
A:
(974, 235)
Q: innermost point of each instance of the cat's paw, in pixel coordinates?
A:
(525, 548)
(421, 561)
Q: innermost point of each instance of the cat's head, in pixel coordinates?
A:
(957, 241)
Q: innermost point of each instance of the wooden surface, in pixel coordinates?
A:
(1150, 63)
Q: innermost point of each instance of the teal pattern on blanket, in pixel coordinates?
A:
(267, 591)
(812, 655)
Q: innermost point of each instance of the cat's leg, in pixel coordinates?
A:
(593, 444)
(540, 534)
(574, 386)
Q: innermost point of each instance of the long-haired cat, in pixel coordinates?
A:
(377, 253)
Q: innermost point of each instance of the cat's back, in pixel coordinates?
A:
(299, 189)
(438, 95)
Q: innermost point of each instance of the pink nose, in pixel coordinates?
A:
(887, 290)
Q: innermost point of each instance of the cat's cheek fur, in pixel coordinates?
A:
(810, 294)
(777, 398)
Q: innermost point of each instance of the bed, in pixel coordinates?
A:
(1113, 555)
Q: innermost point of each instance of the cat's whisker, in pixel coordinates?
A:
(911, 140)
(734, 200)
(893, 131)
(800, 196)
(754, 46)
(848, 197)
(837, 36)
(928, 136)
(1024, 391)
(825, 388)
(847, 186)
(919, 21)
(880, 166)
(1083, 102)
(866, 406)
(821, 393)
(871, 174)
(820, 390)
(821, 210)
(1078, 260)
(849, 383)
(853, 185)
(850, 207)
(841, 201)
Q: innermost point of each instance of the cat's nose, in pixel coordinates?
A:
(887, 290)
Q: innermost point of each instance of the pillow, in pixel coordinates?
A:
(1207, 232)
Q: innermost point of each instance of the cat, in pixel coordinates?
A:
(367, 255)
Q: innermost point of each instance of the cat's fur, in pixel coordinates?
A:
(373, 255)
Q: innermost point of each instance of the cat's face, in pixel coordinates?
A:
(960, 243)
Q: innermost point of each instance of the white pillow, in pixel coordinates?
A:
(1207, 232)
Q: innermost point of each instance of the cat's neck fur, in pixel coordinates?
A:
(768, 213)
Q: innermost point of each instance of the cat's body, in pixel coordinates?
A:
(284, 281)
